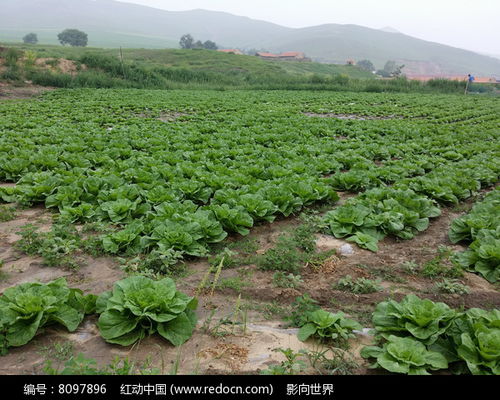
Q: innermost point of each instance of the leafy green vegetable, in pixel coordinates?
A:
(328, 326)
(475, 339)
(424, 320)
(365, 241)
(481, 227)
(405, 356)
(26, 308)
(382, 211)
(138, 306)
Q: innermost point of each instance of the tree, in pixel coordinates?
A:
(31, 38)
(209, 45)
(390, 67)
(366, 65)
(186, 41)
(398, 71)
(73, 37)
(197, 45)
(383, 73)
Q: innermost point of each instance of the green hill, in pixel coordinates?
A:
(200, 60)
(114, 24)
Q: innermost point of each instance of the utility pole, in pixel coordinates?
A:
(123, 67)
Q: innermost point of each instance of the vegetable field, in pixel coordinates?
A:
(231, 223)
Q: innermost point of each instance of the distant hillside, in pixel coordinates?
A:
(113, 24)
(202, 60)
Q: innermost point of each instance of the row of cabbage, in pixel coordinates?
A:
(235, 162)
(415, 336)
(136, 307)
(418, 336)
(480, 228)
(404, 209)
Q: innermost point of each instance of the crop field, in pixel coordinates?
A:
(271, 232)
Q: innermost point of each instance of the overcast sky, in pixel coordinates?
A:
(473, 25)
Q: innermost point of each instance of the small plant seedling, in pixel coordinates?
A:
(410, 267)
(283, 257)
(7, 213)
(358, 286)
(452, 286)
(332, 361)
(292, 365)
(227, 257)
(283, 280)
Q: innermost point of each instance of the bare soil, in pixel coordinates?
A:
(163, 116)
(12, 92)
(59, 65)
(353, 116)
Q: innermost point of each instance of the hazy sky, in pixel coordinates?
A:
(473, 25)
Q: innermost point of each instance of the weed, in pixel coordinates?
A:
(7, 213)
(283, 257)
(302, 306)
(317, 260)
(359, 312)
(218, 271)
(358, 286)
(441, 265)
(246, 246)
(226, 257)
(57, 247)
(54, 63)
(59, 352)
(283, 280)
(332, 361)
(226, 326)
(304, 237)
(386, 274)
(30, 240)
(237, 284)
(3, 275)
(291, 366)
(11, 57)
(452, 286)
(80, 365)
(203, 285)
(269, 310)
(410, 267)
(158, 263)
(30, 59)
(93, 246)
(177, 362)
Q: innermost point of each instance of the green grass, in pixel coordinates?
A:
(197, 60)
(203, 69)
(358, 286)
(325, 69)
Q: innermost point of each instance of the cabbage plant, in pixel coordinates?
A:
(138, 307)
(328, 326)
(405, 356)
(423, 319)
(26, 308)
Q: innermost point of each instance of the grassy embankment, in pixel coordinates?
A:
(191, 69)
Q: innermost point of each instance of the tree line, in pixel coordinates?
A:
(72, 37)
(187, 42)
(391, 69)
(77, 38)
